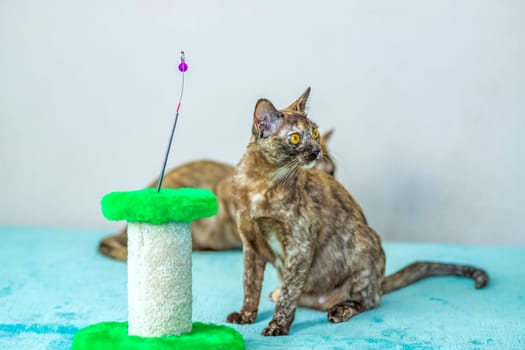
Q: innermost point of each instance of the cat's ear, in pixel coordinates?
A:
(266, 118)
(299, 105)
(326, 137)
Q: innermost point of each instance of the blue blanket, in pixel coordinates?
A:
(54, 282)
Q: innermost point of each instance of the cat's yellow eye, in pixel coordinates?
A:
(315, 133)
(294, 138)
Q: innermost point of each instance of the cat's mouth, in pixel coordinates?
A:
(311, 159)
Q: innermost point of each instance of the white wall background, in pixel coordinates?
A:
(427, 98)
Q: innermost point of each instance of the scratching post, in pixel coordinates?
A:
(159, 270)
(159, 275)
(159, 279)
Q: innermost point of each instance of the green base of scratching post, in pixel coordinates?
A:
(114, 336)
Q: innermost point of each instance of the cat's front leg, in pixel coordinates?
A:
(297, 266)
(253, 275)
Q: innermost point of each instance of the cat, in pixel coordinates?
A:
(218, 232)
(310, 228)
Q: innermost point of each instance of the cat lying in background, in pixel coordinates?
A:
(218, 232)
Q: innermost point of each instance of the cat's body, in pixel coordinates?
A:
(309, 227)
(215, 233)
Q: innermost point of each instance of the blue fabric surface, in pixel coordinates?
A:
(54, 282)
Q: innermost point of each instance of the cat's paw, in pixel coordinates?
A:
(241, 317)
(342, 312)
(274, 330)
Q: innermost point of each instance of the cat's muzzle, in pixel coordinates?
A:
(312, 158)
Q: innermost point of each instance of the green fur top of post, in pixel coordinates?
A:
(157, 208)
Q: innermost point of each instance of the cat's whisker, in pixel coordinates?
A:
(292, 174)
(290, 171)
(292, 168)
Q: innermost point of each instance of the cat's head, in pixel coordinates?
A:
(326, 163)
(287, 137)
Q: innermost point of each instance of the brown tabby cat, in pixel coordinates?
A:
(310, 228)
(218, 232)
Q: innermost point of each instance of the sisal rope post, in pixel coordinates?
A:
(159, 279)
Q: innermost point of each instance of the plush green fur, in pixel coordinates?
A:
(114, 336)
(168, 205)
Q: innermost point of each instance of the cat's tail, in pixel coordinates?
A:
(116, 246)
(421, 269)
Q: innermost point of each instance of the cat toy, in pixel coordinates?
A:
(183, 67)
(159, 269)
